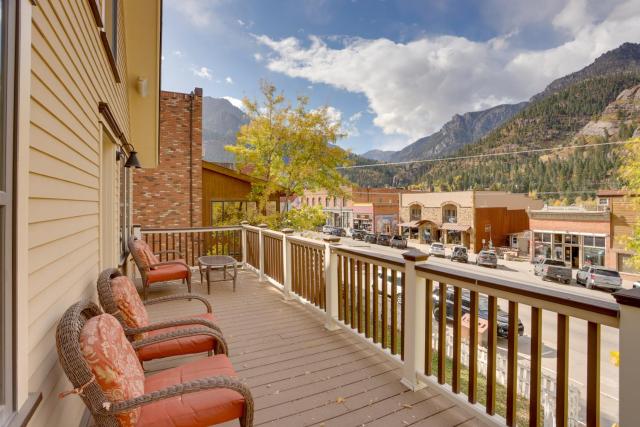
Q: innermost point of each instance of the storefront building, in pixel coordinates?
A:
(363, 216)
(575, 236)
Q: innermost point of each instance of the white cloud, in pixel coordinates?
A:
(228, 80)
(178, 53)
(413, 88)
(235, 102)
(202, 72)
(241, 22)
(198, 12)
(258, 57)
(351, 124)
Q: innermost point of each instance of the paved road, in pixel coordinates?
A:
(523, 272)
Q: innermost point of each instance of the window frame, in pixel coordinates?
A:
(124, 211)
(99, 10)
(8, 81)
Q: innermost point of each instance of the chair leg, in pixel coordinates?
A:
(145, 286)
(189, 283)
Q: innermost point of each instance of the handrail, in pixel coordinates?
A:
(306, 241)
(159, 230)
(396, 261)
(274, 234)
(578, 306)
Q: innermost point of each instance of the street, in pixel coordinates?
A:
(522, 271)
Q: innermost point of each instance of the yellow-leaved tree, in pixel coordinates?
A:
(630, 172)
(292, 148)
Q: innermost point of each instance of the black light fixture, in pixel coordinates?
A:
(132, 160)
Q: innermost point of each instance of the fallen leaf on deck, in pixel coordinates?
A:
(340, 399)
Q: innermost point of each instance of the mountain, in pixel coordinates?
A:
(619, 119)
(461, 130)
(379, 155)
(221, 121)
(624, 59)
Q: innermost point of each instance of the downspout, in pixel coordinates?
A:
(191, 160)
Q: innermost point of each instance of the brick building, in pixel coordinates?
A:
(170, 195)
(466, 217)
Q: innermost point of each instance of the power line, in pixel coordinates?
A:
(479, 156)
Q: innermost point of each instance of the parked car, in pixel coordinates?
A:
(459, 254)
(327, 229)
(383, 239)
(399, 242)
(599, 277)
(370, 238)
(437, 249)
(502, 317)
(488, 258)
(358, 234)
(553, 269)
(338, 231)
(390, 284)
(635, 284)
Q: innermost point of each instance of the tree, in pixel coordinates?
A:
(630, 172)
(290, 148)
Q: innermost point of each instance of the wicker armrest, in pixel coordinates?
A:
(221, 343)
(160, 264)
(180, 297)
(209, 383)
(173, 323)
(169, 251)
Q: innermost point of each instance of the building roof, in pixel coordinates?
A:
(612, 193)
(214, 167)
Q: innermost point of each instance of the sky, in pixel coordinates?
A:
(391, 71)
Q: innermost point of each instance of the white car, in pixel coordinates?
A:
(437, 249)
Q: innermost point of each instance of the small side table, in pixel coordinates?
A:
(218, 262)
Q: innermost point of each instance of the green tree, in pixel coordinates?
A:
(292, 148)
(630, 172)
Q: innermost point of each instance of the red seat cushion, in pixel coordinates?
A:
(145, 253)
(203, 408)
(168, 272)
(129, 303)
(179, 346)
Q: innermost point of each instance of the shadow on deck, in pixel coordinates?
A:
(302, 374)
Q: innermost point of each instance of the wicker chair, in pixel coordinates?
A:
(154, 271)
(180, 347)
(154, 401)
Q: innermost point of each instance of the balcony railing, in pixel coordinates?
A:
(388, 300)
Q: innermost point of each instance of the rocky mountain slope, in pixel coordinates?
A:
(221, 121)
(619, 120)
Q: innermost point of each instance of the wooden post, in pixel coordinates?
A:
(261, 250)
(629, 300)
(331, 286)
(415, 297)
(286, 249)
(244, 242)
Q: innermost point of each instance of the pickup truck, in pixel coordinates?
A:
(553, 269)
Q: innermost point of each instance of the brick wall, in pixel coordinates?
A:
(171, 194)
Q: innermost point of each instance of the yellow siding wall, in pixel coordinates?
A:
(70, 75)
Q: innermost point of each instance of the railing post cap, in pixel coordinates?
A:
(415, 255)
(331, 239)
(244, 222)
(630, 297)
(263, 225)
(287, 230)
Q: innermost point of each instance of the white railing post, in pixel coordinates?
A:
(629, 301)
(261, 250)
(244, 224)
(415, 298)
(286, 250)
(331, 285)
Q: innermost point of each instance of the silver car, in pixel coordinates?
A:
(487, 258)
(599, 277)
(437, 249)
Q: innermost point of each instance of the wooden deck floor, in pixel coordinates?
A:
(302, 374)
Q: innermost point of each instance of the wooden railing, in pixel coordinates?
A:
(395, 303)
(273, 255)
(193, 243)
(370, 296)
(307, 270)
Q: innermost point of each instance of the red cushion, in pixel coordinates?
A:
(144, 252)
(129, 303)
(179, 346)
(168, 272)
(199, 409)
(113, 362)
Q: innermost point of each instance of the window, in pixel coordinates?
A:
(449, 213)
(7, 77)
(335, 201)
(594, 250)
(231, 212)
(326, 202)
(415, 213)
(110, 18)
